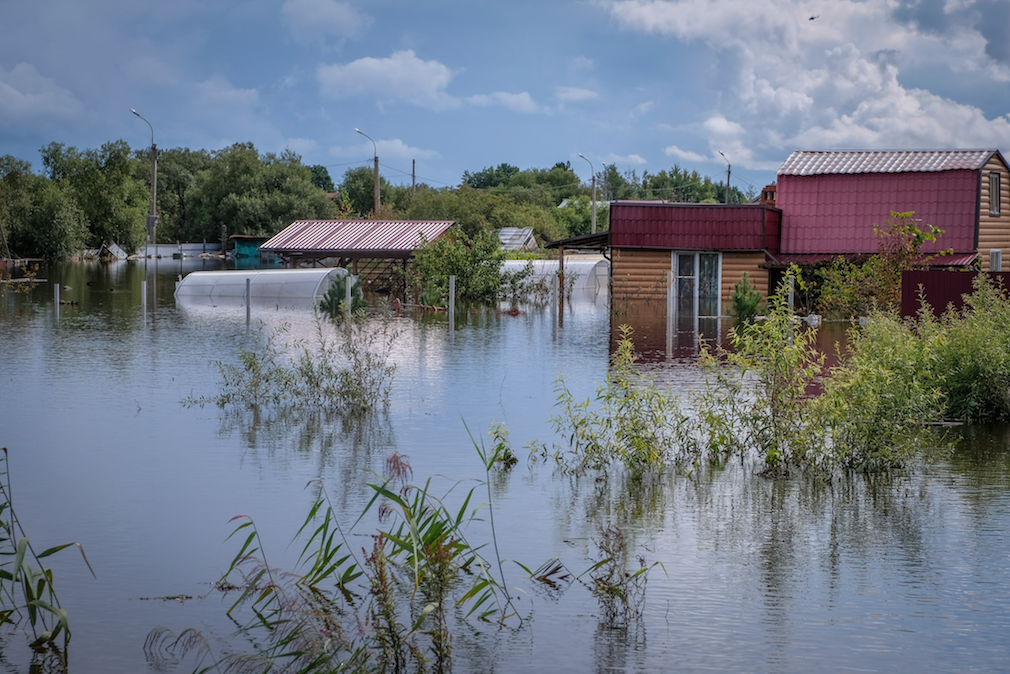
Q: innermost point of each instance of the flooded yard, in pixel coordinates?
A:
(908, 573)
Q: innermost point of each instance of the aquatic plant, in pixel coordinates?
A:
(335, 298)
(421, 566)
(761, 403)
(27, 592)
(619, 590)
(634, 423)
(347, 368)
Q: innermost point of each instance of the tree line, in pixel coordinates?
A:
(84, 198)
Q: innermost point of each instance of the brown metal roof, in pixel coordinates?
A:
(356, 238)
(808, 163)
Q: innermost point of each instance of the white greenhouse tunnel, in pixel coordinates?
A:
(287, 287)
(591, 273)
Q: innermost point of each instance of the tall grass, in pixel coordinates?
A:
(346, 368)
(27, 592)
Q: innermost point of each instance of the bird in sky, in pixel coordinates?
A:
(813, 17)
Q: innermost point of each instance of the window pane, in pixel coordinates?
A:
(685, 264)
(994, 195)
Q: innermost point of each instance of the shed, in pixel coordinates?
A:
(696, 251)
(516, 238)
(371, 248)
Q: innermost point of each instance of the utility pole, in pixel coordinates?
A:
(593, 169)
(375, 172)
(152, 219)
(728, 167)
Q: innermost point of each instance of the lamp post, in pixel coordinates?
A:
(375, 172)
(152, 219)
(593, 169)
(728, 167)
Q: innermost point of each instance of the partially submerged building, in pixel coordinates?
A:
(371, 248)
(824, 205)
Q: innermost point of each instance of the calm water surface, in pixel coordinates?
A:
(908, 574)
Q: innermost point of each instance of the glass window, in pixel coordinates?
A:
(994, 195)
(697, 292)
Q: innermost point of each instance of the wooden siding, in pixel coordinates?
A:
(733, 267)
(994, 232)
(640, 274)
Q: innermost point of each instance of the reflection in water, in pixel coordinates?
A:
(903, 573)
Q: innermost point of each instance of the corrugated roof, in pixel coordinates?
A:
(516, 238)
(392, 238)
(836, 213)
(808, 163)
(658, 225)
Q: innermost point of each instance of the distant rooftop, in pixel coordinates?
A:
(516, 238)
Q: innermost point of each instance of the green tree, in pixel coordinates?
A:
(490, 177)
(321, 178)
(358, 185)
(103, 183)
(177, 172)
(476, 263)
(250, 194)
(38, 217)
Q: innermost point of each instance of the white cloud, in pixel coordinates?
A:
(27, 95)
(310, 20)
(401, 76)
(386, 149)
(582, 63)
(516, 102)
(830, 83)
(567, 94)
(625, 159)
(686, 155)
(642, 108)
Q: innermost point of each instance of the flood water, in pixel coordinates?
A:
(910, 573)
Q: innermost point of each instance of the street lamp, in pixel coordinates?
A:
(375, 172)
(591, 168)
(152, 219)
(728, 167)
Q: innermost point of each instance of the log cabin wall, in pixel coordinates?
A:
(994, 230)
(640, 274)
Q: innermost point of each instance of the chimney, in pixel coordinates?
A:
(768, 195)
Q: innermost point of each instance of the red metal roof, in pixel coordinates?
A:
(665, 226)
(836, 213)
(808, 163)
(381, 238)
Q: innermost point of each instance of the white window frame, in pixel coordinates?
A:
(675, 285)
(994, 193)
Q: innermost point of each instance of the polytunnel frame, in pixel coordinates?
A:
(272, 284)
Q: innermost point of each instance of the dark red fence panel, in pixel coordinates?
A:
(940, 288)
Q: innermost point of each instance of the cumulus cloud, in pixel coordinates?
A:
(516, 102)
(402, 76)
(836, 82)
(624, 159)
(386, 149)
(311, 20)
(686, 155)
(26, 95)
(569, 94)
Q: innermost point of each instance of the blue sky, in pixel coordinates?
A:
(461, 85)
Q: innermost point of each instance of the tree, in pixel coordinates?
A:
(321, 178)
(250, 194)
(358, 185)
(38, 217)
(490, 177)
(104, 185)
(178, 169)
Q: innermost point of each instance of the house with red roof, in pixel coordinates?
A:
(825, 204)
